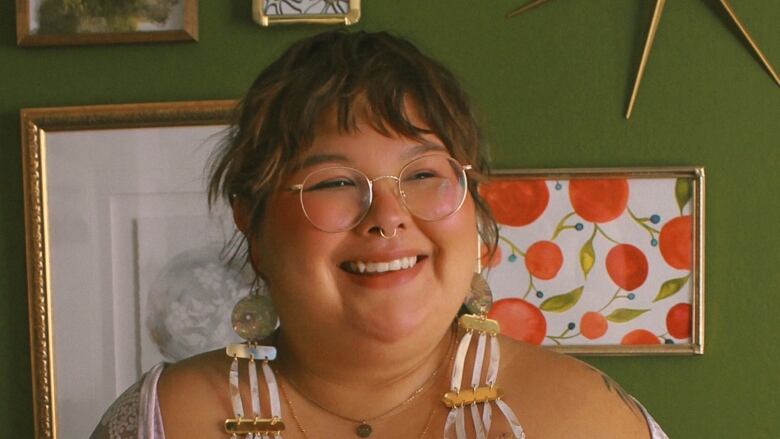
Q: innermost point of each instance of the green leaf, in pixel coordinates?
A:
(562, 302)
(622, 315)
(683, 190)
(671, 287)
(587, 257)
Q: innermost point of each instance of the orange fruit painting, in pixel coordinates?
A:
(516, 203)
(519, 319)
(678, 320)
(593, 325)
(627, 266)
(593, 261)
(675, 242)
(543, 259)
(640, 337)
(599, 200)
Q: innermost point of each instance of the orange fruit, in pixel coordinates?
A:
(627, 266)
(599, 200)
(675, 242)
(593, 325)
(516, 203)
(543, 259)
(640, 337)
(678, 320)
(519, 320)
(486, 259)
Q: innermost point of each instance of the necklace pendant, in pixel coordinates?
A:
(363, 430)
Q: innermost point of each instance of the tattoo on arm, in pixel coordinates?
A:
(613, 386)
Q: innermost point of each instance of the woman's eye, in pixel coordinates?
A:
(421, 175)
(335, 183)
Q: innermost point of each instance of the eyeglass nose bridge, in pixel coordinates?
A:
(385, 177)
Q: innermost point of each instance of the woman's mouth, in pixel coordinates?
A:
(362, 267)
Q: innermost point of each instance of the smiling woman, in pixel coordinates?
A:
(352, 170)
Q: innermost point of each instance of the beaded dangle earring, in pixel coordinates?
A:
(477, 394)
(254, 318)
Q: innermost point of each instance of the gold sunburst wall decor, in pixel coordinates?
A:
(659, 7)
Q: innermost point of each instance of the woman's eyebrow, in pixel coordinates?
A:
(410, 153)
(317, 159)
(421, 149)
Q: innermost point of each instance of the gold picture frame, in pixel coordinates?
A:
(171, 20)
(553, 266)
(271, 12)
(44, 254)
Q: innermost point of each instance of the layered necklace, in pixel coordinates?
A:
(363, 426)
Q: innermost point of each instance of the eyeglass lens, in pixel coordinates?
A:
(336, 199)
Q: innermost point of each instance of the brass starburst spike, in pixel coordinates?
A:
(526, 7)
(659, 7)
(749, 39)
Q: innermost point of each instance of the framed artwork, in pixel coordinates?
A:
(600, 261)
(123, 254)
(76, 22)
(268, 12)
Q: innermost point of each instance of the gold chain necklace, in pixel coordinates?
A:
(364, 428)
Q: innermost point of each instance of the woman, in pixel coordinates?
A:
(334, 170)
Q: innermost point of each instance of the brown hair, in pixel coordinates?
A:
(360, 74)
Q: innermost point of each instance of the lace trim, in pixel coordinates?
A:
(121, 419)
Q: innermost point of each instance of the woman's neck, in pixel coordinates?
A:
(361, 382)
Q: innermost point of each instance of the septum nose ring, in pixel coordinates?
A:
(383, 235)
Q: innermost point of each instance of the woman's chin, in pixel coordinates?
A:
(397, 323)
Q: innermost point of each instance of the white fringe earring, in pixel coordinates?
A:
(477, 394)
(253, 319)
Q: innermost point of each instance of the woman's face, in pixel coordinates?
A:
(311, 274)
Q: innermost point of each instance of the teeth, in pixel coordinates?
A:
(381, 267)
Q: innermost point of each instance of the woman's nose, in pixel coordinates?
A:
(387, 214)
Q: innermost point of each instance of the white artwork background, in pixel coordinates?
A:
(114, 198)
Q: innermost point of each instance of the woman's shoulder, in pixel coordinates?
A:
(192, 392)
(557, 395)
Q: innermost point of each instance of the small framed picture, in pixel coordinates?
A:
(600, 261)
(268, 12)
(77, 22)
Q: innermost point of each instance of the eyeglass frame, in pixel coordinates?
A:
(463, 168)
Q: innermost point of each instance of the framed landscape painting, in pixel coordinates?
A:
(600, 261)
(75, 22)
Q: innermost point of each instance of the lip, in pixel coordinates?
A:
(388, 279)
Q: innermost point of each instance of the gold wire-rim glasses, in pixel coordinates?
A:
(369, 191)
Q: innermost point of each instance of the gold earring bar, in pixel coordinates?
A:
(272, 426)
(247, 351)
(471, 322)
(472, 396)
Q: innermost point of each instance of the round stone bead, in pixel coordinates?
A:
(480, 298)
(254, 317)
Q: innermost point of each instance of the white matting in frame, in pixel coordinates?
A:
(116, 212)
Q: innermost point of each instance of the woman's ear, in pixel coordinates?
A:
(241, 215)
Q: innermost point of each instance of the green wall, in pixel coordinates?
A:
(551, 88)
